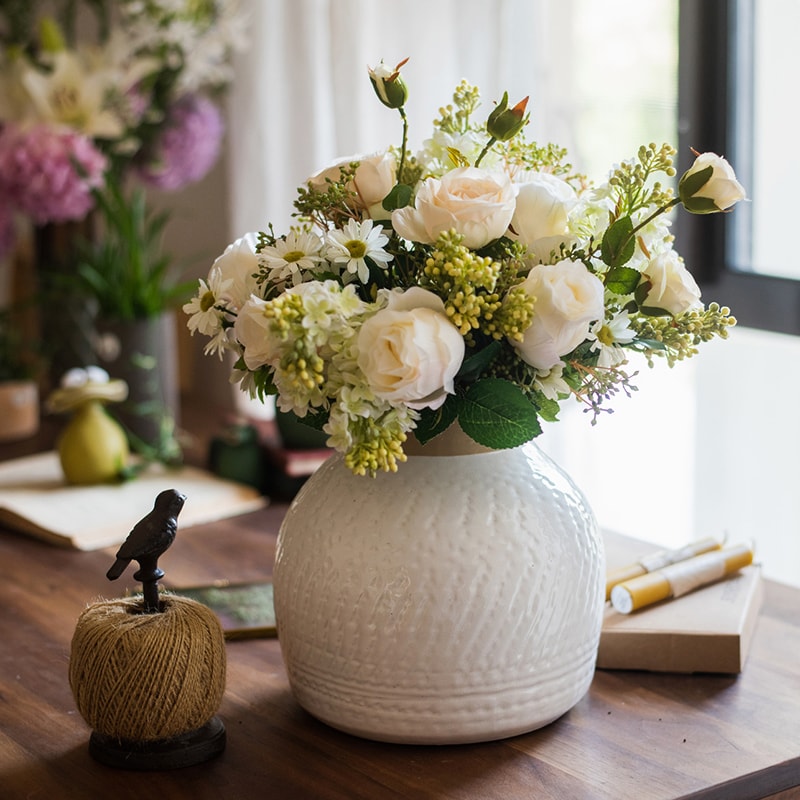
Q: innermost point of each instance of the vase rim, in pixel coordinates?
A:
(451, 442)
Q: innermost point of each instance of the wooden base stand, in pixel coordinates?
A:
(186, 750)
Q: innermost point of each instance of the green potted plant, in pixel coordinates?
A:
(128, 278)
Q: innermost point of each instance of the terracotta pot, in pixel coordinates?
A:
(19, 410)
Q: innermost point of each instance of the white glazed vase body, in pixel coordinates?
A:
(457, 600)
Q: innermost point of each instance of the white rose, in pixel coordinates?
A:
(374, 178)
(477, 204)
(568, 299)
(721, 189)
(542, 213)
(409, 351)
(252, 331)
(239, 264)
(673, 288)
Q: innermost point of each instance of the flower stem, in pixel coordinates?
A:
(404, 145)
(485, 150)
(660, 210)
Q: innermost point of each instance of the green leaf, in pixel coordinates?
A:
(398, 197)
(433, 422)
(497, 414)
(622, 280)
(548, 409)
(690, 185)
(475, 363)
(618, 243)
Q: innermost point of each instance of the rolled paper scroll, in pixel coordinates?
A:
(680, 578)
(655, 561)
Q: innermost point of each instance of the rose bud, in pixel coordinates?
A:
(504, 123)
(389, 84)
(709, 185)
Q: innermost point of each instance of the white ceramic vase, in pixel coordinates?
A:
(458, 600)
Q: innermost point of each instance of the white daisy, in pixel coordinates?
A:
(356, 242)
(608, 335)
(205, 314)
(291, 255)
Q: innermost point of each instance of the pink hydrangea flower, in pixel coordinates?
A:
(189, 145)
(48, 173)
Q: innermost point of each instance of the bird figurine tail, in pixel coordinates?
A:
(117, 568)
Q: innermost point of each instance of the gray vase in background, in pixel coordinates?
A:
(143, 353)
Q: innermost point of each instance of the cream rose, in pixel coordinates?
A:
(477, 204)
(568, 299)
(409, 351)
(719, 193)
(542, 213)
(373, 180)
(252, 331)
(673, 288)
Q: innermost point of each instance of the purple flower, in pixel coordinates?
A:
(48, 173)
(189, 145)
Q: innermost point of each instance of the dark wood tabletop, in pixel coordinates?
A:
(635, 736)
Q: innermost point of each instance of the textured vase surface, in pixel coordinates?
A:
(458, 600)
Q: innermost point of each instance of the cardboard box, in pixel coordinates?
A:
(707, 630)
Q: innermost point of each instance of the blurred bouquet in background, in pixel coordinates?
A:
(99, 101)
(91, 89)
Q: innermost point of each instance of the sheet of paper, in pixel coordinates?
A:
(35, 499)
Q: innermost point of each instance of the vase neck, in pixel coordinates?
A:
(452, 442)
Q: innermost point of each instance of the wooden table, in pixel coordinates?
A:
(635, 736)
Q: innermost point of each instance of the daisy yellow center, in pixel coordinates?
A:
(605, 335)
(356, 248)
(293, 255)
(207, 301)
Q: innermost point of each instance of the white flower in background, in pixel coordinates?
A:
(73, 95)
(541, 216)
(356, 241)
(568, 299)
(608, 336)
(409, 351)
(672, 287)
(291, 255)
(204, 33)
(475, 203)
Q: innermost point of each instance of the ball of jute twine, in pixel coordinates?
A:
(144, 677)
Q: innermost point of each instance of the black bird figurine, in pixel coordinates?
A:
(150, 537)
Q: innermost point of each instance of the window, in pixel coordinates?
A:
(737, 62)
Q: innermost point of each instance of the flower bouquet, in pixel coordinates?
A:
(125, 87)
(482, 280)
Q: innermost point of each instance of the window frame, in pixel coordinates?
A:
(714, 62)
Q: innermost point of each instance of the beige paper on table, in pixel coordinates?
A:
(35, 499)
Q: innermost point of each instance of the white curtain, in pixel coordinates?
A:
(302, 97)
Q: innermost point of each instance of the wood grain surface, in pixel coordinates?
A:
(636, 735)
